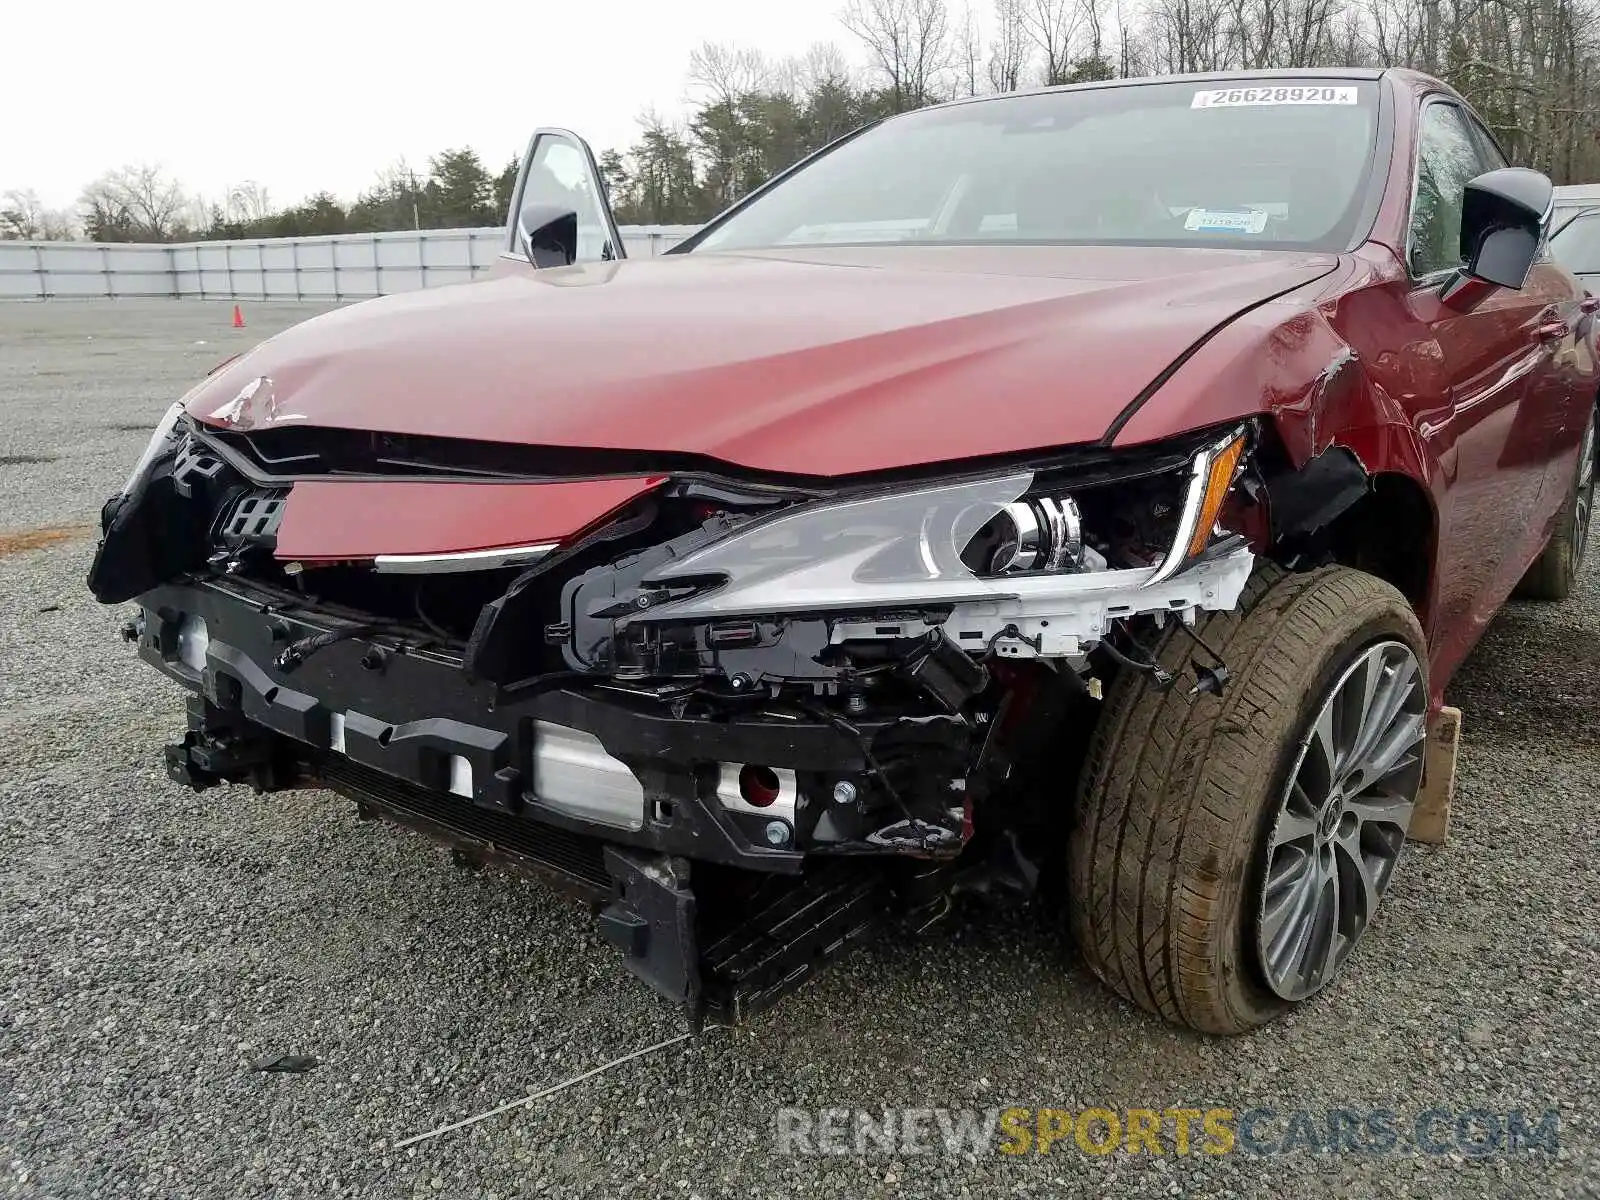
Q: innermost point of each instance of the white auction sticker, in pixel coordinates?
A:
(1206, 220)
(1295, 94)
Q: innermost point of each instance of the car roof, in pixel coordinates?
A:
(1357, 73)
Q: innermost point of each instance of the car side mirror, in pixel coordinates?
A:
(549, 234)
(1504, 215)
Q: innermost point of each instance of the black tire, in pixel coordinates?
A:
(1178, 794)
(1555, 572)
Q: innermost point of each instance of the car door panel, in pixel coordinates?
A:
(1559, 391)
(1463, 378)
(1562, 392)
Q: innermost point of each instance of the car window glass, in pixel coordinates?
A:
(1577, 245)
(559, 174)
(1489, 152)
(1447, 158)
(1164, 163)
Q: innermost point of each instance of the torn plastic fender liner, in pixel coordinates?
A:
(1334, 478)
(1304, 501)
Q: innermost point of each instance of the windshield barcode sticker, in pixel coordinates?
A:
(1205, 220)
(1237, 97)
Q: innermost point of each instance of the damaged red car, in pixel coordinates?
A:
(1091, 489)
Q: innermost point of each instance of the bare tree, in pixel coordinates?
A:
(139, 202)
(1008, 58)
(1186, 35)
(248, 201)
(21, 216)
(1094, 15)
(824, 86)
(822, 65)
(968, 54)
(1284, 33)
(24, 217)
(909, 43)
(723, 73)
(1124, 41)
(1052, 25)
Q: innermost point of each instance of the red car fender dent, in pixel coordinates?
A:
(1284, 359)
(1287, 361)
(339, 520)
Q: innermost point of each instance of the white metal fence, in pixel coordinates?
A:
(342, 267)
(1572, 197)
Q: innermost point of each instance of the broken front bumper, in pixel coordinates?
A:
(621, 768)
(609, 799)
(610, 790)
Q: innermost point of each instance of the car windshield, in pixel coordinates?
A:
(1279, 163)
(1577, 244)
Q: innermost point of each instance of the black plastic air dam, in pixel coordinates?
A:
(721, 963)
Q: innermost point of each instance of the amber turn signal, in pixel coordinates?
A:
(1224, 463)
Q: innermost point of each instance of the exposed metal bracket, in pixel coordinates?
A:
(1079, 614)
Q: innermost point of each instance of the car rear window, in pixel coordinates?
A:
(1279, 163)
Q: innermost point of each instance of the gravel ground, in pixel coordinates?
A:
(154, 942)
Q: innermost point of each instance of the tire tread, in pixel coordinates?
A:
(1172, 782)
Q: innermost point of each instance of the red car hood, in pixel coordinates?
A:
(823, 362)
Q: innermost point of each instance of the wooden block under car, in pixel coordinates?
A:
(1430, 820)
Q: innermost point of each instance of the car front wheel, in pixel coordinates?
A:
(1227, 852)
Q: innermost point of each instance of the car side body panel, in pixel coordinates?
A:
(1484, 409)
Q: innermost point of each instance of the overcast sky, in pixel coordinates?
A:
(308, 94)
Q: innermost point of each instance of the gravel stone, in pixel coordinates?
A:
(155, 943)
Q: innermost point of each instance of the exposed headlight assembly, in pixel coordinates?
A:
(1041, 534)
(919, 546)
(996, 540)
(1210, 477)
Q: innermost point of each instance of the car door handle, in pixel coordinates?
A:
(1552, 331)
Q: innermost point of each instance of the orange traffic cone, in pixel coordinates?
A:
(238, 318)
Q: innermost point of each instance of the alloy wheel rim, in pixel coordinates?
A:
(1342, 819)
(1583, 503)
